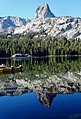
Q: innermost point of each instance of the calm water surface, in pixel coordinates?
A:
(47, 88)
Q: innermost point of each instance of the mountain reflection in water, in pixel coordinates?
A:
(47, 77)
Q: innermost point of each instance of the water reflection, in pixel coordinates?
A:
(47, 77)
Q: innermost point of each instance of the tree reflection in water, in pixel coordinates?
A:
(47, 77)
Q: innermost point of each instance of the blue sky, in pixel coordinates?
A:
(26, 8)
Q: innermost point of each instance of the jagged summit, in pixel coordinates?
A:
(45, 20)
(43, 11)
(11, 22)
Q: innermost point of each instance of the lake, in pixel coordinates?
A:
(47, 88)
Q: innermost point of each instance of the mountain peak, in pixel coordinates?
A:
(43, 11)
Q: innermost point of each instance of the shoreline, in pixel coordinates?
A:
(44, 56)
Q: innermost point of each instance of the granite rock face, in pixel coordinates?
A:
(10, 22)
(45, 21)
(43, 11)
(57, 26)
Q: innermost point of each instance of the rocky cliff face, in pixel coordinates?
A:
(43, 11)
(58, 26)
(44, 20)
(10, 22)
(51, 25)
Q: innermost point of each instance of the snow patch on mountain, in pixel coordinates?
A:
(9, 22)
(44, 21)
